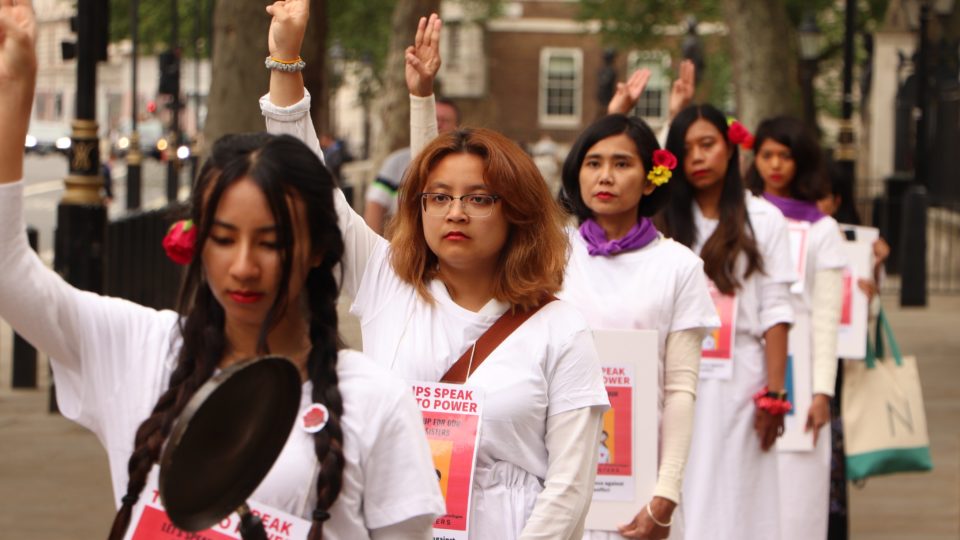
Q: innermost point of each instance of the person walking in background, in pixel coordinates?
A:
(381, 195)
(787, 170)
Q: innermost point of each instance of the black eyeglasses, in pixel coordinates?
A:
(473, 204)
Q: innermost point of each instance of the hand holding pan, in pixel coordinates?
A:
(226, 440)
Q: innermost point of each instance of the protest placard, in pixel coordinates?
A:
(717, 349)
(451, 420)
(627, 468)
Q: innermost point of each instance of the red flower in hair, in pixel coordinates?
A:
(180, 241)
(665, 158)
(739, 135)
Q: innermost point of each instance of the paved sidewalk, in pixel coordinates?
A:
(54, 482)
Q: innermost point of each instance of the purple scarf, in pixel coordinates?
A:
(639, 236)
(796, 210)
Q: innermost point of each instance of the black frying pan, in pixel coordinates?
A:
(226, 440)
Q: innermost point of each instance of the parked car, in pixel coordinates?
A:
(153, 140)
(45, 137)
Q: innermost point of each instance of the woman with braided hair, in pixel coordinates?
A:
(260, 280)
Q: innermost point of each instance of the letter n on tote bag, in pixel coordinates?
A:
(885, 427)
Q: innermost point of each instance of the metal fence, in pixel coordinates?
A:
(136, 266)
(943, 242)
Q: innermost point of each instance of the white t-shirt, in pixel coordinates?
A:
(758, 312)
(112, 359)
(660, 287)
(731, 489)
(383, 189)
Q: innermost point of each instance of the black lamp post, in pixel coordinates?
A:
(913, 235)
(81, 216)
(134, 155)
(811, 44)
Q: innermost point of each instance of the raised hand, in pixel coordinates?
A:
(627, 94)
(287, 28)
(18, 34)
(423, 57)
(681, 93)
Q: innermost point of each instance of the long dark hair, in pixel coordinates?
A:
(734, 234)
(810, 180)
(282, 167)
(609, 126)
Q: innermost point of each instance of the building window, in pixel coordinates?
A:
(653, 103)
(561, 87)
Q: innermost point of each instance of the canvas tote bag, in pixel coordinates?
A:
(885, 428)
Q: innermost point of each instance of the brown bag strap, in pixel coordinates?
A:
(486, 343)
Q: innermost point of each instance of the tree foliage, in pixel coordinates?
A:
(195, 18)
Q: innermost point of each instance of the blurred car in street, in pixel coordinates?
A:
(153, 140)
(45, 137)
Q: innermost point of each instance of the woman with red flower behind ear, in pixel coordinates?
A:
(623, 274)
(261, 280)
(731, 488)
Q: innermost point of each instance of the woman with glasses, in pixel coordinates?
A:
(476, 235)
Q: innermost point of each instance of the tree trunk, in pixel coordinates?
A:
(394, 103)
(764, 60)
(239, 78)
(315, 75)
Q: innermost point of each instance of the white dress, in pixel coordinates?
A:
(547, 367)
(659, 287)
(112, 359)
(805, 476)
(730, 488)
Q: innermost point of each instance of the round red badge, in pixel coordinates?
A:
(314, 417)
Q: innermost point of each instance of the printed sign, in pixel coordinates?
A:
(717, 355)
(616, 439)
(149, 521)
(799, 236)
(451, 420)
(852, 333)
(799, 386)
(627, 464)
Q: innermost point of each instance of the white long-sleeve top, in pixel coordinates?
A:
(543, 387)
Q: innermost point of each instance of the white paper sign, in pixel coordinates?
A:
(627, 468)
(799, 386)
(854, 315)
(799, 237)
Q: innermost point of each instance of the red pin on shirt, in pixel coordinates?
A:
(314, 418)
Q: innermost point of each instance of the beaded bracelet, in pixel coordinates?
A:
(776, 406)
(289, 66)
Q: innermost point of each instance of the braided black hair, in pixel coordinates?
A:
(282, 167)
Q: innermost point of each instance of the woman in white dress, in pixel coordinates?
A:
(260, 280)
(788, 171)
(730, 487)
(623, 274)
(476, 234)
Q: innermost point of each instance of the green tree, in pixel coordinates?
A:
(762, 41)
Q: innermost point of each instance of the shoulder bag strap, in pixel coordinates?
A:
(471, 359)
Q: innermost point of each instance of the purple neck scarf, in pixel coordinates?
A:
(639, 236)
(796, 210)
